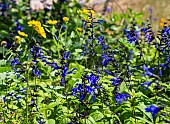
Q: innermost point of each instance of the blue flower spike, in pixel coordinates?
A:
(153, 109)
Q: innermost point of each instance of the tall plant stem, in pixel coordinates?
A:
(27, 101)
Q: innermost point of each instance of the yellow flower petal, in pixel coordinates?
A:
(66, 19)
(52, 22)
(22, 34)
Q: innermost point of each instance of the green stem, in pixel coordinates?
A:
(57, 45)
(27, 103)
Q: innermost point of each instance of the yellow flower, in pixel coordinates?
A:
(3, 43)
(66, 19)
(162, 20)
(17, 39)
(52, 22)
(88, 19)
(87, 12)
(34, 23)
(161, 24)
(37, 26)
(41, 31)
(79, 29)
(22, 34)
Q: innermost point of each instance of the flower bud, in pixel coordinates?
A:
(3, 43)
(17, 39)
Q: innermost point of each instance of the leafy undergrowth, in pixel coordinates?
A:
(65, 64)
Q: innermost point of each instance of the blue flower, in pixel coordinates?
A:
(150, 11)
(120, 97)
(15, 62)
(36, 53)
(105, 60)
(39, 122)
(116, 81)
(3, 7)
(102, 43)
(89, 90)
(65, 72)
(4, 98)
(153, 109)
(18, 27)
(109, 73)
(165, 33)
(100, 21)
(93, 79)
(86, 50)
(83, 90)
(147, 72)
(147, 84)
(66, 55)
(18, 97)
(36, 72)
(132, 35)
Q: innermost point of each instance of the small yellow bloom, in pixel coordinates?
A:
(162, 20)
(17, 39)
(34, 23)
(161, 24)
(66, 19)
(88, 12)
(37, 26)
(52, 22)
(22, 34)
(79, 29)
(3, 43)
(88, 25)
(88, 19)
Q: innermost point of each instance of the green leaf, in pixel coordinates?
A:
(51, 121)
(97, 115)
(52, 105)
(72, 34)
(5, 69)
(89, 120)
(62, 34)
(79, 50)
(60, 95)
(123, 87)
(144, 120)
(53, 30)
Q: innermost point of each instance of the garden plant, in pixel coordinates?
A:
(64, 63)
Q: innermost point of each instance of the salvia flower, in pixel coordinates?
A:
(40, 122)
(115, 81)
(66, 55)
(80, 92)
(120, 97)
(65, 73)
(132, 35)
(147, 72)
(3, 7)
(146, 84)
(153, 109)
(36, 72)
(93, 79)
(15, 61)
(18, 26)
(105, 59)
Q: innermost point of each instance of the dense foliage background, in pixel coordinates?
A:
(63, 63)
